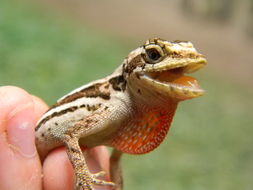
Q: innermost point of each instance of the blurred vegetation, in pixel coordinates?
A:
(226, 11)
(49, 55)
(210, 143)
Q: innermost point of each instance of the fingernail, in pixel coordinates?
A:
(21, 132)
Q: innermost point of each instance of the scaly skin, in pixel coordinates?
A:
(130, 110)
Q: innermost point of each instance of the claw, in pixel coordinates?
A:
(102, 182)
(87, 184)
(99, 174)
(99, 181)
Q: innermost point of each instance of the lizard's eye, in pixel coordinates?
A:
(153, 54)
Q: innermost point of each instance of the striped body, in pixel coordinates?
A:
(128, 129)
(101, 95)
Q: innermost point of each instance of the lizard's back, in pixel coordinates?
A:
(78, 104)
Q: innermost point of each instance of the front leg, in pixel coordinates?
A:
(92, 129)
(84, 179)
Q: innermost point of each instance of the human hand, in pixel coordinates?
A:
(20, 166)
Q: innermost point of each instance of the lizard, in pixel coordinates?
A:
(130, 110)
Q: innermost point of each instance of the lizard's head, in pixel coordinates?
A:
(158, 69)
(155, 73)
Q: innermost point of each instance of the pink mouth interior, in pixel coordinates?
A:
(175, 76)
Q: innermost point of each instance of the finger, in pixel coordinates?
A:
(18, 158)
(98, 160)
(57, 170)
(40, 107)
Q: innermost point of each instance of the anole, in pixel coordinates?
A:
(129, 110)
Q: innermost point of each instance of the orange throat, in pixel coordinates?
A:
(145, 132)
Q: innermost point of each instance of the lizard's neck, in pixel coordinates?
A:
(145, 130)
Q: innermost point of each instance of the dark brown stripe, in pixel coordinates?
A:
(135, 62)
(118, 83)
(71, 109)
(90, 92)
(56, 114)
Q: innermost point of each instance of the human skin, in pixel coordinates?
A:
(20, 166)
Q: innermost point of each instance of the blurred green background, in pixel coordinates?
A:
(51, 47)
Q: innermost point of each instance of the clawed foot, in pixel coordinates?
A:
(85, 182)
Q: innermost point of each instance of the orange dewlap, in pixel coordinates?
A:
(143, 135)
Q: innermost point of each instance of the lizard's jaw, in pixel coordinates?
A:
(170, 79)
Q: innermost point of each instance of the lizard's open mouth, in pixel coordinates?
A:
(174, 82)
